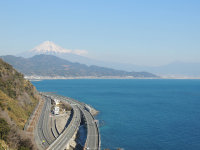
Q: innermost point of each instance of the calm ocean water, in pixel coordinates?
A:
(139, 114)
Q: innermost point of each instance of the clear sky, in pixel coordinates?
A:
(143, 32)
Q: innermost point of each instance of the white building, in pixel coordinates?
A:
(56, 110)
(56, 101)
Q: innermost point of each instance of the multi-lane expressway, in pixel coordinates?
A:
(93, 137)
(63, 139)
(46, 135)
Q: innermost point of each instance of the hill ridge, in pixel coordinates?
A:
(49, 65)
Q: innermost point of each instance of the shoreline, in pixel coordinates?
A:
(74, 78)
(86, 77)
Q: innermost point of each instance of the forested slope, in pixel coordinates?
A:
(18, 98)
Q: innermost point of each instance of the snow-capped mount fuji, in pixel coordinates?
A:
(171, 70)
(49, 47)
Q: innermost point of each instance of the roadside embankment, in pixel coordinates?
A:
(93, 111)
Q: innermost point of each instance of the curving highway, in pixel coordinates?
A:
(43, 130)
(61, 142)
(92, 141)
(93, 136)
(47, 135)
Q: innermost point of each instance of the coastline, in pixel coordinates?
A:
(85, 77)
(39, 78)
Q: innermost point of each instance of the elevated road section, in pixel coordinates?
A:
(93, 136)
(61, 142)
(46, 135)
(92, 141)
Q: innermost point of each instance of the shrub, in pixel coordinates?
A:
(4, 129)
(25, 144)
(9, 108)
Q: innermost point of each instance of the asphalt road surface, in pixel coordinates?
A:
(92, 141)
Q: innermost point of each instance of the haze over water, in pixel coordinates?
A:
(139, 114)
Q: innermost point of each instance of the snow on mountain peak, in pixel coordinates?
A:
(48, 47)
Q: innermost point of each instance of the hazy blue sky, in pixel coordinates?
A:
(145, 32)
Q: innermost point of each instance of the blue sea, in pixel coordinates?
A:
(139, 114)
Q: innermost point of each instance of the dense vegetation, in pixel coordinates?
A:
(48, 65)
(4, 129)
(18, 98)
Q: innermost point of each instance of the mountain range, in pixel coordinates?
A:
(175, 69)
(52, 66)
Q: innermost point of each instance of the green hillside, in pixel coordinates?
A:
(18, 98)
